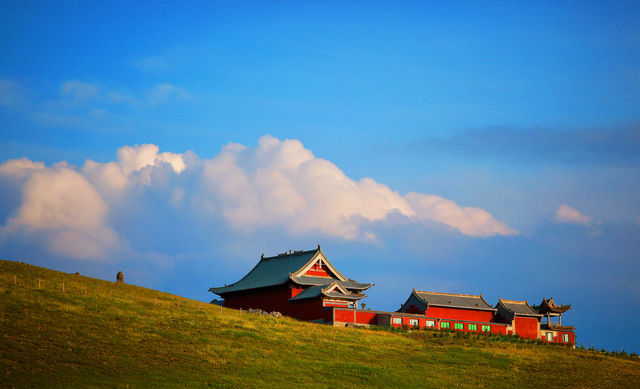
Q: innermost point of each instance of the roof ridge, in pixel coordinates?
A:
(513, 301)
(449, 294)
(293, 253)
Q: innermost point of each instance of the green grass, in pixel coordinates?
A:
(51, 338)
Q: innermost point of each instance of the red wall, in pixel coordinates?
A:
(317, 271)
(459, 314)
(344, 315)
(295, 291)
(366, 317)
(526, 327)
(310, 309)
(327, 314)
(336, 304)
(572, 337)
(361, 317)
(269, 299)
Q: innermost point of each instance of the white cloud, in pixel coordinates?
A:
(277, 186)
(61, 204)
(566, 214)
(79, 90)
(135, 158)
(282, 183)
(468, 220)
(20, 168)
(162, 93)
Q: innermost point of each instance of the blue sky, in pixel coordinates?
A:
(474, 149)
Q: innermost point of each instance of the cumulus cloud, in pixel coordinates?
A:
(468, 220)
(282, 183)
(138, 157)
(20, 168)
(566, 214)
(279, 185)
(61, 204)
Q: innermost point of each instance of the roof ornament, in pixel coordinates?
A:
(318, 246)
(262, 256)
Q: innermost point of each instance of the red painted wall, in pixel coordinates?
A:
(572, 337)
(310, 309)
(327, 315)
(336, 304)
(366, 317)
(361, 317)
(318, 271)
(459, 314)
(344, 315)
(422, 323)
(296, 291)
(526, 327)
(499, 330)
(268, 299)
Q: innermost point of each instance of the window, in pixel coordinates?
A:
(486, 328)
(397, 320)
(565, 338)
(549, 336)
(458, 326)
(473, 327)
(444, 324)
(431, 323)
(413, 322)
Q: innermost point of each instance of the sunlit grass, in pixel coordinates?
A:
(98, 333)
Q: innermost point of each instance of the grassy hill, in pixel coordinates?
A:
(98, 333)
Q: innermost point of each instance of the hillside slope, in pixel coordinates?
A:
(98, 333)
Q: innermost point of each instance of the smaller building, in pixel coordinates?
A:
(555, 332)
(463, 312)
(523, 320)
(449, 306)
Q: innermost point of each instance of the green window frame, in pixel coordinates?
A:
(473, 327)
(444, 324)
(458, 326)
(430, 323)
(565, 338)
(397, 320)
(486, 328)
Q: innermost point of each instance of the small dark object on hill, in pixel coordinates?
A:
(120, 277)
(77, 273)
(261, 312)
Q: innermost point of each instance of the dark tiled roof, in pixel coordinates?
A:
(467, 301)
(269, 272)
(311, 292)
(521, 308)
(345, 296)
(309, 280)
(548, 306)
(316, 291)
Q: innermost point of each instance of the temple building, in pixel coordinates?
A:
(306, 286)
(300, 284)
(523, 320)
(464, 312)
(552, 332)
